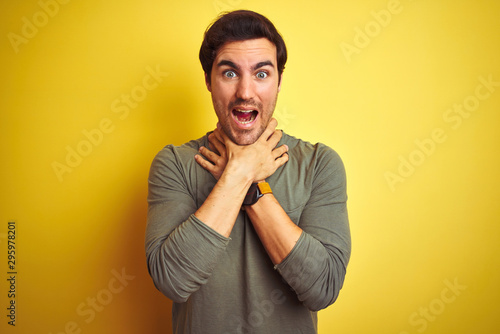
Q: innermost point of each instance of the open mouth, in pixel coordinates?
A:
(244, 116)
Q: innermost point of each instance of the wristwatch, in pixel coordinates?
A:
(256, 191)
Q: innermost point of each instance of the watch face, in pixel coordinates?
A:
(252, 195)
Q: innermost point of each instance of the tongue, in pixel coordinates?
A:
(243, 116)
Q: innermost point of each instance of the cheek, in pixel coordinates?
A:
(269, 91)
(269, 97)
(222, 93)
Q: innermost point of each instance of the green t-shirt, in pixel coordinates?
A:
(229, 285)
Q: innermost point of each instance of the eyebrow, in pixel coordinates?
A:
(233, 65)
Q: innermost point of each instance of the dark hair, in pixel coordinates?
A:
(239, 25)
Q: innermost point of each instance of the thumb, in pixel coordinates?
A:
(222, 136)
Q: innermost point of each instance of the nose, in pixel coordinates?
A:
(245, 89)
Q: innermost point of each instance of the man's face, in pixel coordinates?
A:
(244, 84)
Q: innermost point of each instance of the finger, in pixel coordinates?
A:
(210, 144)
(273, 123)
(217, 144)
(281, 160)
(211, 156)
(219, 135)
(222, 136)
(279, 151)
(275, 138)
(217, 130)
(271, 126)
(204, 163)
(211, 139)
(216, 136)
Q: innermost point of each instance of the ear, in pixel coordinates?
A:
(207, 82)
(279, 84)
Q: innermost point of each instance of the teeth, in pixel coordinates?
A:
(243, 122)
(252, 117)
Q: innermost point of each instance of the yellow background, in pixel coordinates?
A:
(411, 239)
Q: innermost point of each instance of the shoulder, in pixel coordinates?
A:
(180, 152)
(324, 169)
(177, 156)
(318, 154)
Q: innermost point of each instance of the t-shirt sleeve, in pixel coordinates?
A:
(316, 266)
(181, 250)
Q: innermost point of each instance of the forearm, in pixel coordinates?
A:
(309, 258)
(245, 164)
(276, 231)
(220, 209)
(315, 271)
(182, 262)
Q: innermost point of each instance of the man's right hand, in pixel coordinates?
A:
(257, 161)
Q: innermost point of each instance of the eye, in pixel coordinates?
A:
(230, 74)
(262, 75)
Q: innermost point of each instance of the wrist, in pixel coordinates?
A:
(239, 171)
(235, 181)
(255, 192)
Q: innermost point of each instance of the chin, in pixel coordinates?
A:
(243, 139)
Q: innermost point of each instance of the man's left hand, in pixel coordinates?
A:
(217, 156)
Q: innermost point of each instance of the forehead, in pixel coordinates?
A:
(249, 51)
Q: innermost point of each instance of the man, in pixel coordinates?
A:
(247, 226)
